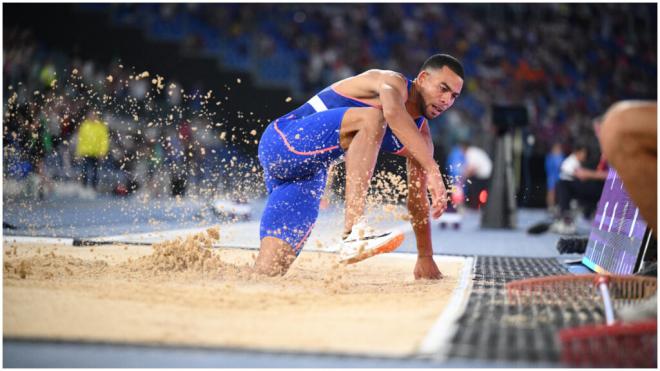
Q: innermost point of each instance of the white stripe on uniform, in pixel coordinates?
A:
(317, 104)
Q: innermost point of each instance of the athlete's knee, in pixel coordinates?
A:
(274, 258)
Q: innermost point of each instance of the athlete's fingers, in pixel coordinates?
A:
(437, 206)
(439, 203)
(436, 212)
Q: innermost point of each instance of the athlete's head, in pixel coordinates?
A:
(439, 82)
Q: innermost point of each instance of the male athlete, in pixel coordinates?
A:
(354, 119)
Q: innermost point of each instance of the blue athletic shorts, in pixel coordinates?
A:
(295, 153)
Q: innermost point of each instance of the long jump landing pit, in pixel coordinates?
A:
(183, 293)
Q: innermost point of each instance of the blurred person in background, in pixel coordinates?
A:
(175, 146)
(475, 174)
(455, 161)
(155, 159)
(553, 161)
(92, 147)
(577, 182)
(563, 84)
(36, 142)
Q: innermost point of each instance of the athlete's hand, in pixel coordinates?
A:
(426, 269)
(438, 192)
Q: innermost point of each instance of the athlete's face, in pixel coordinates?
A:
(439, 88)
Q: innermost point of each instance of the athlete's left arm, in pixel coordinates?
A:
(418, 207)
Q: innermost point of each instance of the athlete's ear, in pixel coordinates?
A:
(422, 75)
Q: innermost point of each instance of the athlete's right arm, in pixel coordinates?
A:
(392, 89)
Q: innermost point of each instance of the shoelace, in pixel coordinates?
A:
(368, 237)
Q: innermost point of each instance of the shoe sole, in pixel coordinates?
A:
(387, 246)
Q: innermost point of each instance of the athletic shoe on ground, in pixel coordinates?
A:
(364, 242)
(563, 227)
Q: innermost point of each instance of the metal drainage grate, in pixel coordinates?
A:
(493, 329)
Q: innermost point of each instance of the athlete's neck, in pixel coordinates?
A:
(413, 104)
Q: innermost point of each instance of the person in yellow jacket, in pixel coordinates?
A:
(93, 146)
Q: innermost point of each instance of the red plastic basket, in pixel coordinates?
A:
(618, 345)
(613, 344)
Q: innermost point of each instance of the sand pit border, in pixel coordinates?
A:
(436, 342)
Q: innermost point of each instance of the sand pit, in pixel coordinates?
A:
(183, 293)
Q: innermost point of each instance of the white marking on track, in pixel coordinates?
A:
(40, 240)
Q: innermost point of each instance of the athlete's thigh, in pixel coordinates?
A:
(292, 209)
(293, 148)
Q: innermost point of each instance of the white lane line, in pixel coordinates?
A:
(160, 236)
(41, 240)
(436, 340)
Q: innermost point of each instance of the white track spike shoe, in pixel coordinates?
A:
(364, 242)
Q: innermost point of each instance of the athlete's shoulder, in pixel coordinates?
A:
(384, 74)
(391, 78)
(369, 83)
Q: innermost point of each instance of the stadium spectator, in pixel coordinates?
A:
(476, 172)
(92, 147)
(562, 83)
(576, 182)
(553, 161)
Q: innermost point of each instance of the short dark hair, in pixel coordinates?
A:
(580, 144)
(438, 61)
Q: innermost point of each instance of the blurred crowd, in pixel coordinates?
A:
(111, 129)
(565, 62)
